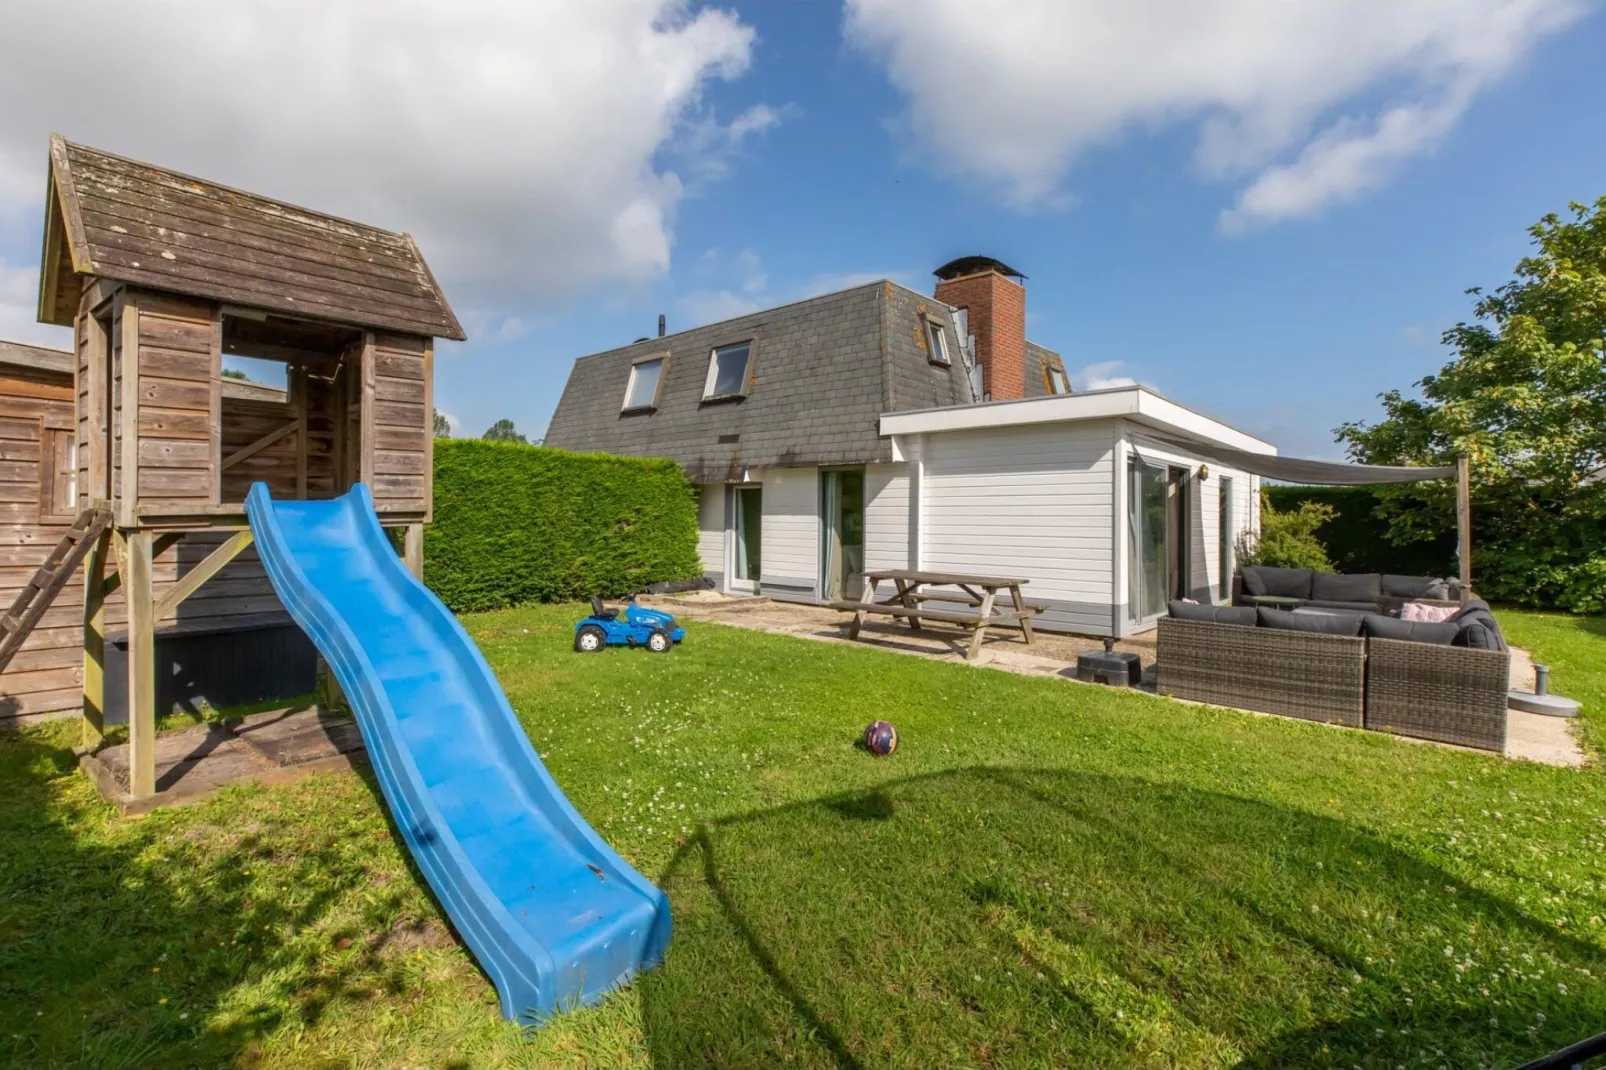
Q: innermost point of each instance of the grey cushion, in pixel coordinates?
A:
(1281, 582)
(1412, 631)
(1479, 628)
(1315, 623)
(1358, 607)
(1415, 587)
(1475, 634)
(1240, 615)
(1334, 587)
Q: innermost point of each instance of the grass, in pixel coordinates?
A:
(1043, 875)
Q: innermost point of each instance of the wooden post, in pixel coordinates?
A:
(413, 549)
(298, 384)
(94, 707)
(1463, 522)
(141, 665)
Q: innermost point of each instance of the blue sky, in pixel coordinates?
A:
(811, 151)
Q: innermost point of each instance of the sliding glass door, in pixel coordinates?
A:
(1148, 528)
(842, 533)
(747, 526)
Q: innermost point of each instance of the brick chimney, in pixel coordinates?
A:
(993, 294)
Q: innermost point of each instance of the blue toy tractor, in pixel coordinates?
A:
(651, 628)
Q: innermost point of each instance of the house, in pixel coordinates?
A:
(881, 428)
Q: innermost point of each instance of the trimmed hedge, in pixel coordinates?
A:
(517, 523)
(1357, 539)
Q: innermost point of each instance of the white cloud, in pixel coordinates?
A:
(1101, 376)
(711, 306)
(515, 140)
(19, 309)
(1012, 94)
(752, 269)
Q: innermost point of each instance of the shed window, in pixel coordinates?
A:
(58, 477)
(727, 371)
(937, 338)
(642, 392)
(1056, 380)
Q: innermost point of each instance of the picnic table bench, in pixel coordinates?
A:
(914, 589)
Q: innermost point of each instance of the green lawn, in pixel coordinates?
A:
(1044, 875)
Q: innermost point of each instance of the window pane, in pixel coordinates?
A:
(938, 340)
(1056, 381)
(730, 370)
(1147, 544)
(1224, 548)
(643, 384)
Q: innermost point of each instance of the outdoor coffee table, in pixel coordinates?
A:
(1278, 601)
(915, 588)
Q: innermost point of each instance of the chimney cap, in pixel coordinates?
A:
(971, 265)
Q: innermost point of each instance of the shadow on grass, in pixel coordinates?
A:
(113, 955)
(1041, 917)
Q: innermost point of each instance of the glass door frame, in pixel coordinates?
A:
(734, 528)
(830, 531)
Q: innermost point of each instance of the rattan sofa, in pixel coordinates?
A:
(1316, 677)
(1451, 694)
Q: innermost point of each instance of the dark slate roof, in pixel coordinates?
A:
(824, 371)
(1037, 359)
(120, 219)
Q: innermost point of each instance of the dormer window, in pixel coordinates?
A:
(646, 376)
(1057, 383)
(937, 342)
(728, 371)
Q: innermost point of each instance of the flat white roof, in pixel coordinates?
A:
(1136, 403)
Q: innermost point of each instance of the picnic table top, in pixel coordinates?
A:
(955, 578)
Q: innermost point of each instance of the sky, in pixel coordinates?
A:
(1267, 211)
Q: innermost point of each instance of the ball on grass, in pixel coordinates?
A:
(880, 738)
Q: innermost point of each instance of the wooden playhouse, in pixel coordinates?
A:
(140, 531)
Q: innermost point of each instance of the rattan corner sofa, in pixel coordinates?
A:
(1452, 694)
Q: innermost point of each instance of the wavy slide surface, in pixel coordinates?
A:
(552, 913)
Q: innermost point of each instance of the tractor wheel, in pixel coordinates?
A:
(590, 639)
(658, 642)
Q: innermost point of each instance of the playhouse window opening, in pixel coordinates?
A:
(284, 385)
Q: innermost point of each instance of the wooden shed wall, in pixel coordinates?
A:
(397, 437)
(36, 417)
(179, 396)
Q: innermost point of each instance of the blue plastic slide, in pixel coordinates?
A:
(554, 916)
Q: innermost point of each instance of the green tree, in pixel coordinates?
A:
(1525, 399)
(1287, 539)
(235, 373)
(443, 426)
(502, 431)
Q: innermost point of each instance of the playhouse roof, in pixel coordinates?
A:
(116, 218)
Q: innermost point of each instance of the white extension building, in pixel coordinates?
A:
(843, 434)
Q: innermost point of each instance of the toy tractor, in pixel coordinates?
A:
(651, 628)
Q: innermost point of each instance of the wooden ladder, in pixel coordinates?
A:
(34, 599)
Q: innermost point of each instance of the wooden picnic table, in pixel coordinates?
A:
(913, 588)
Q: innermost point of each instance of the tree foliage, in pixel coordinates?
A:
(1287, 538)
(502, 431)
(443, 426)
(1525, 399)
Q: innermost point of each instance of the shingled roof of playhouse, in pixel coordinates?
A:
(115, 218)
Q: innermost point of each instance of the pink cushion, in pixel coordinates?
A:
(1421, 611)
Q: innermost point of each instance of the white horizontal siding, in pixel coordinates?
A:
(1032, 502)
(889, 527)
(711, 526)
(790, 553)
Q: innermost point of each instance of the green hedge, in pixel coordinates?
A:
(1357, 539)
(518, 523)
